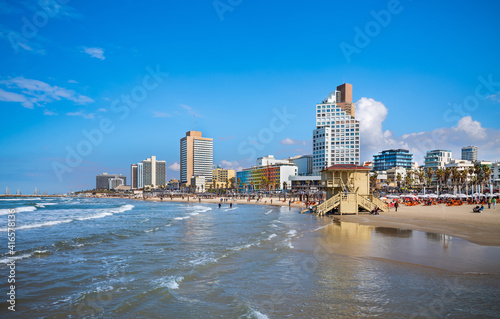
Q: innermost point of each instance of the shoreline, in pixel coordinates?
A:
(457, 221)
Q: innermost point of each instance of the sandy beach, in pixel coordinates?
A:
(457, 221)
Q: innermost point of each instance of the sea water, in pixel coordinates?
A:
(118, 258)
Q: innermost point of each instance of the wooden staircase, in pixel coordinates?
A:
(349, 203)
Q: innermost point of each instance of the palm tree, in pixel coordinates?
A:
(478, 172)
(440, 175)
(373, 181)
(486, 172)
(455, 178)
(447, 175)
(429, 172)
(252, 183)
(398, 179)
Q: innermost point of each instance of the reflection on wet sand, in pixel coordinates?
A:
(415, 247)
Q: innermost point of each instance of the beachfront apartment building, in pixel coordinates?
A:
(196, 157)
(151, 173)
(469, 153)
(102, 181)
(222, 177)
(392, 158)
(268, 174)
(336, 138)
(437, 159)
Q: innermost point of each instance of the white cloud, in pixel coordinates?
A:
(95, 52)
(374, 138)
(102, 110)
(471, 128)
(34, 92)
(161, 114)
(289, 141)
(49, 112)
(88, 116)
(72, 81)
(175, 167)
(231, 165)
(6, 96)
(495, 97)
(190, 110)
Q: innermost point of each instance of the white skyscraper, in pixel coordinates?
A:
(336, 137)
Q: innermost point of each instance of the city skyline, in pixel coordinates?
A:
(75, 82)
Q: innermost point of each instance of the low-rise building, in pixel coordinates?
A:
(268, 174)
(198, 184)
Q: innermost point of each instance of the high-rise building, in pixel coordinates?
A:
(336, 137)
(151, 172)
(103, 181)
(437, 159)
(197, 157)
(133, 176)
(469, 153)
(140, 175)
(115, 182)
(392, 158)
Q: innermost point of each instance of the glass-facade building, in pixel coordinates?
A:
(392, 158)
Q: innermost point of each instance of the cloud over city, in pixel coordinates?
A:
(374, 138)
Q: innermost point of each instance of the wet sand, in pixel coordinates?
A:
(457, 221)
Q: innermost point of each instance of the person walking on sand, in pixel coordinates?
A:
(396, 205)
(494, 203)
(489, 203)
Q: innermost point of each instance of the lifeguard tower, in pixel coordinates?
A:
(347, 190)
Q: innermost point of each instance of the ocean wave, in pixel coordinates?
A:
(8, 259)
(152, 230)
(253, 314)
(269, 212)
(170, 282)
(42, 205)
(292, 233)
(103, 213)
(271, 236)
(182, 218)
(17, 210)
(13, 199)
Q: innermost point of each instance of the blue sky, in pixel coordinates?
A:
(425, 75)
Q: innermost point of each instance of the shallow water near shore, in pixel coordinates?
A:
(112, 258)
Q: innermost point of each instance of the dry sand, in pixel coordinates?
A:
(457, 221)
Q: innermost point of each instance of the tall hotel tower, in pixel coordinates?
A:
(197, 157)
(336, 137)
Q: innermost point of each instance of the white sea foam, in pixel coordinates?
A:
(269, 212)
(182, 218)
(42, 205)
(289, 244)
(292, 233)
(254, 314)
(38, 225)
(18, 210)
(8, 259)
(194, 214)
(271, 236)
(171, 282)
(152, 230)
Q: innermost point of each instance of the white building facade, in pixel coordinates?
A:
(336, 138)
